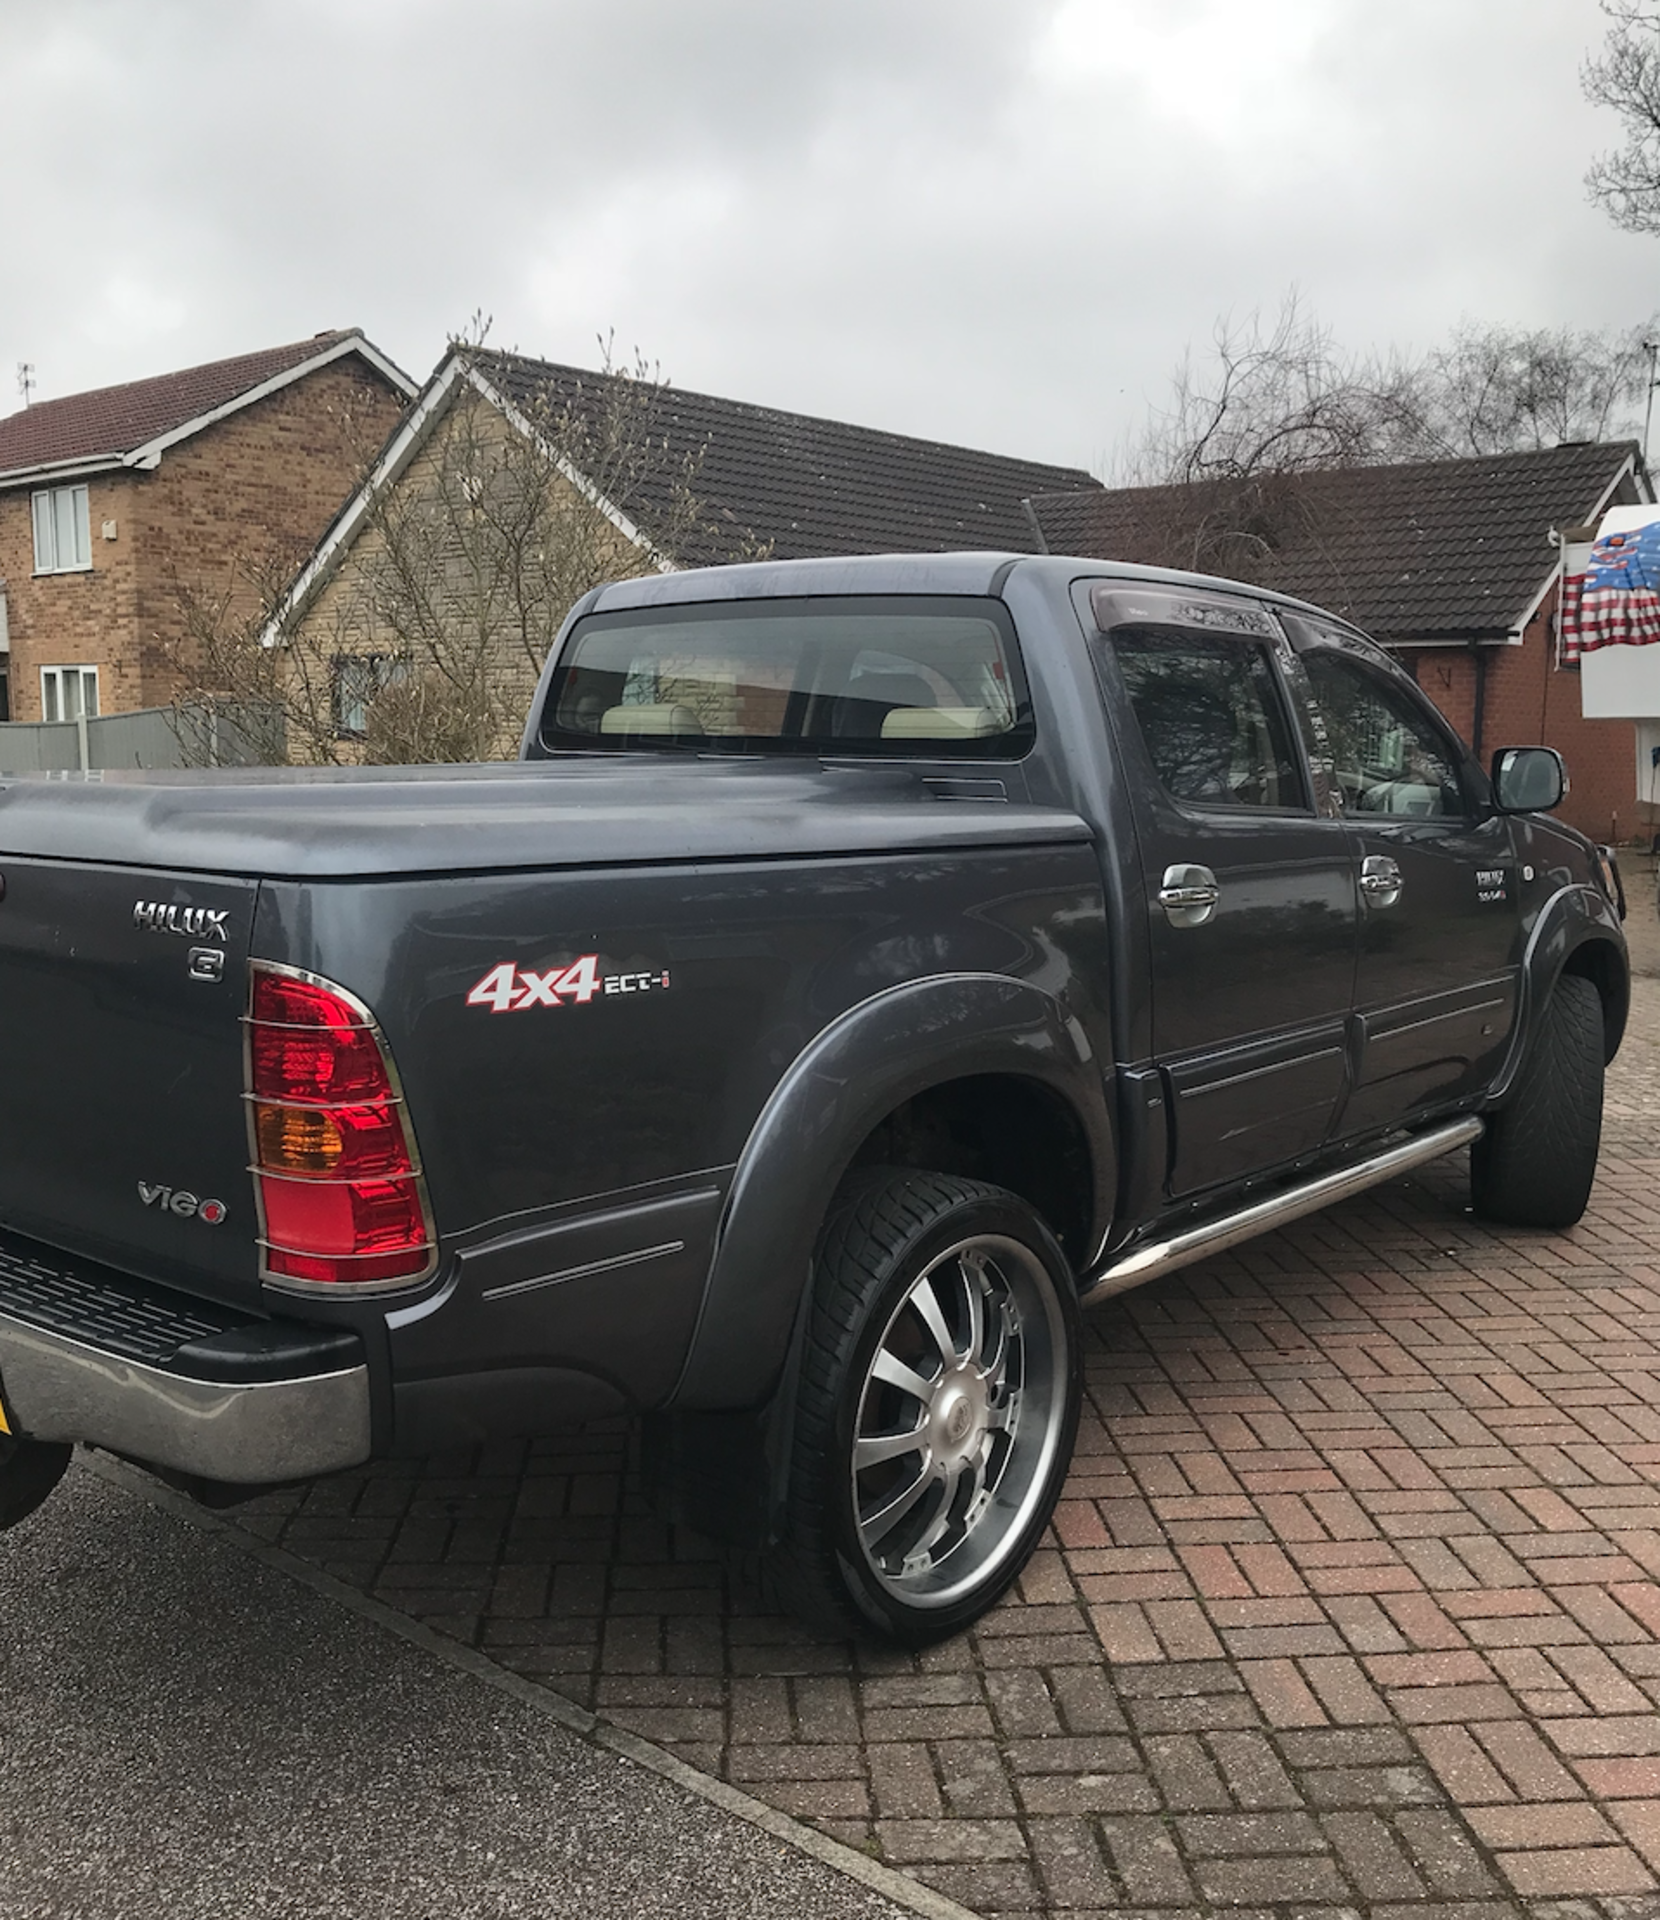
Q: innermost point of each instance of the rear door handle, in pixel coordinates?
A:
(1189, 895)
(1380, 880)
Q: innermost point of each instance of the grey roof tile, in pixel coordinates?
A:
(1453, 549)
(801, 486)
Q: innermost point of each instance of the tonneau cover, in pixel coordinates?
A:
(329, 822)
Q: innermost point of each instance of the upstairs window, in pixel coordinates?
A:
(63, 542)
(68, 692)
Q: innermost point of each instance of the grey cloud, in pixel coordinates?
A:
(887, 210)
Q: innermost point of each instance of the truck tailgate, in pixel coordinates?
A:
(122, 1130)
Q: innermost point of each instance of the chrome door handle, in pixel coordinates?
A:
(1380, 880)
(1189, 895)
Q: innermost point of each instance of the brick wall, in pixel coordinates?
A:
(250, 495)
(1530, 701)
(466, 580)
(73, 619)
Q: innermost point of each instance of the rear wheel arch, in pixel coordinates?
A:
(930, 1059)
(1020, 1134)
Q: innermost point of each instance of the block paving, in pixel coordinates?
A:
(1352, 1603)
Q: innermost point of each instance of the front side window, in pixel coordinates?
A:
(1210, 714)
(915, 678)
(62, 541)
(68, 692)
(1387, 757)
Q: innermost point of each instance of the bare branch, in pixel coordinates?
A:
(1626, 182)
(426, 642)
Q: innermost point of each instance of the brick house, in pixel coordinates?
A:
(114, 502)
(764, 481)
(1452, 564)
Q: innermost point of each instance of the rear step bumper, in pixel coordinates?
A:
(92, 1355)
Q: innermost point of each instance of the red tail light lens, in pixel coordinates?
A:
(341, 1193)
(286, 1000)
(302, 1063)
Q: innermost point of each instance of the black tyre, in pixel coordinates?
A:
(29, 1470)
(1535, 1164)
(936, 1410)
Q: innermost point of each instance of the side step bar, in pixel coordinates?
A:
(1159, 1257)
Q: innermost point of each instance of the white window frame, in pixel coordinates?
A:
(55, 685)
(63, 530)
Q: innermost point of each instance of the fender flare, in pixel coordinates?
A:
(868, 1061)
(1574, 917)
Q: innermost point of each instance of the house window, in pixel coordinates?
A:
(358, 677)
(68, 692)
(62, 541)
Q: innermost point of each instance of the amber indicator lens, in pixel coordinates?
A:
(351, 1143)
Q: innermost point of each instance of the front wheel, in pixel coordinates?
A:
(936, 1410)
(1535, 1164)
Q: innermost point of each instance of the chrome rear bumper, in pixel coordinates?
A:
(248, 1432)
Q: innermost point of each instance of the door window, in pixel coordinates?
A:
(1388, 757)
(1210, 714)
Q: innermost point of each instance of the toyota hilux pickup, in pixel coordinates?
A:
(869, 965)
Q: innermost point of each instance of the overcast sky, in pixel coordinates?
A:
(985, 221)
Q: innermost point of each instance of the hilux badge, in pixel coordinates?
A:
(195, 923)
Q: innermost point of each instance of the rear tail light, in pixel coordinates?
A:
(342, 1201)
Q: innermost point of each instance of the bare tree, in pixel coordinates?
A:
(1273, 404)
(1277, 398)
(1626, 182)
(427, 643)
(1247, 432)
(1505, 390)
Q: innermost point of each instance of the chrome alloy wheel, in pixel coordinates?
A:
(962, 1410)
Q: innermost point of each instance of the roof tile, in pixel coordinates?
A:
(1452, 549)
(801, 486)
(111, 421)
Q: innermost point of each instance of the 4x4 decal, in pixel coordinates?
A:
(510, 989)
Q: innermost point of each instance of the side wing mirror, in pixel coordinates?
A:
(1528, 779)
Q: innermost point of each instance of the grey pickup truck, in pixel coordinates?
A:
(868, 965)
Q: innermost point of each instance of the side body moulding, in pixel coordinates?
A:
(864, 1065)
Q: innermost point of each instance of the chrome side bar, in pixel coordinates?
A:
(1159, 1257)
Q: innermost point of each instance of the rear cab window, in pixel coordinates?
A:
(897, 677)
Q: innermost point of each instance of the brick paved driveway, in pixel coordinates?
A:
(1353, 1600)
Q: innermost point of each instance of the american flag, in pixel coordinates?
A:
(1615, 602)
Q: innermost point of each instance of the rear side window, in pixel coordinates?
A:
(1210, 714)
(916, 678)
